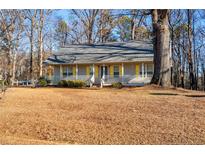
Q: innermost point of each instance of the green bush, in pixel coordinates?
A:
(72, 83)
(63, 83)
(1, 82)
(48, 81)
(117, 85)
(42, 82)
(78, 84)
(5, 83)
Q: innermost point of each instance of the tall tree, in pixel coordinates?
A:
(161, 36)
(190, 42)
(62, 31)
(137, 17)
(11, 29)
(30, 31)
(105, 25)
(88, 19)
(43, 14)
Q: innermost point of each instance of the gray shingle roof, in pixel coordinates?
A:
(132, 51)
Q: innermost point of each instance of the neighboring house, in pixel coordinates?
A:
(130, 63)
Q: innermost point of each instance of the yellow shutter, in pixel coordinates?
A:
(137, 70)
(74, 70)
(61, 71)
(111, 70)
(120, 69)
(87, 70)
(96, 71)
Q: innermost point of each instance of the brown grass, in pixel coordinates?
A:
(101, 116)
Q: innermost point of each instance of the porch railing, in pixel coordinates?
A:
(127, 79)
(55, 79)
(107, 79)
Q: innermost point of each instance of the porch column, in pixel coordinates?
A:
(61, 72)
(122, 72)
(66, 72)
(76, 70)
(142, 70)
(93, 77)
(145, 70)
(103, 76)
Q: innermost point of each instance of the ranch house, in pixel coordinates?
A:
(130, 63)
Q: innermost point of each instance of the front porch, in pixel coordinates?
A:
(103, 74)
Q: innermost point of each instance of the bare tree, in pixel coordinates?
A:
(41, 24)
(30, 31)
(190, 42)
(62, 32)
(105, 25)
(18, 36)
(11, 29)
(161, 48)
(88, 19)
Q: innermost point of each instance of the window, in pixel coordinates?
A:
(70, 71)
(149, 69)
(91, 70)
(64, 71)
(116, 71)
(67, 71)
(142, 69)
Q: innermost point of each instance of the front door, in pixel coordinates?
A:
(106, 71)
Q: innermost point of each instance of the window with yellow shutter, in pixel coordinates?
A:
(116, 71)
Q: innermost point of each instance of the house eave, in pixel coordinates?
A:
(89, 63)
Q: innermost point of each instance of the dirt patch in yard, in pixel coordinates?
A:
(101, 116)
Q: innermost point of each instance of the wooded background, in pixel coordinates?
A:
(28, 37)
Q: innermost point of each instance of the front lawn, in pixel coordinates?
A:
(143, 115)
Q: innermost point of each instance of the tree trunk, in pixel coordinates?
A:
(204, 80)
(9, 65)
(190, 38)
(31, 50)
(14, 68)
(40, 43)
(133, 25)
(41, 55)
(157, 55)
(162, 75)
(172, 50)
(165, 73)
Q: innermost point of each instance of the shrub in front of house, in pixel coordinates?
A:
(72, 83)
(1, 82)
(117, 85)
(76, 84)
(79, 84)
(42, 82)
(5, 83)
(63, 83)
